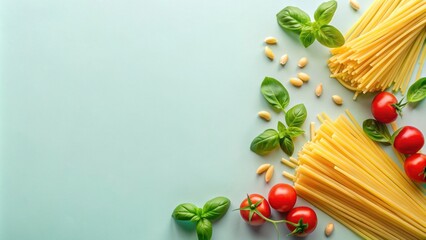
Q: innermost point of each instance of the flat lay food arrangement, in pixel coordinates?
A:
(343, 170)
(198, 119)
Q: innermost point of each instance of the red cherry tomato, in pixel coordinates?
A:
(408, 140)
(282, 197)
(383, 108)
(303, 221)
(415, 167)
(252, 202)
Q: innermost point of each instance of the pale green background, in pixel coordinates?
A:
(114, 111)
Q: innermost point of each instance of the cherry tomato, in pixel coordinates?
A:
(250, 204)
(282, 197)
(408, 140)
(383, 107)
(415, 167)
(303, 221)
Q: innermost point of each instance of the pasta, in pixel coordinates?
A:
(382, 48)
(350, 177)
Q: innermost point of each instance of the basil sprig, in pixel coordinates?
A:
(275, 93)
(277, 96)
(376, 131)
(417, 91)
(203, 217)
(296, 20)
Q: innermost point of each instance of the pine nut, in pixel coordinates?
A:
(354, 4)
(269, 53)
(329, 229)
(283, 59)
(303, 76)
(269, 173)
(302, 62)
(296, 82)
(271, 40)
(265, 115)
(337, 99)
(262, 168)
(318, 90)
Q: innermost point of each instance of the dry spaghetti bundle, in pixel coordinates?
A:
(382, 48)
(348, 176)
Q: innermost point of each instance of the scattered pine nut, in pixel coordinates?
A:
(296, 82)
(329, 229)
(394, 126)
(289, 176)
(288, 163)
(269, 173)
(303, 76)
(265, 115)
(354, 4)
(262, 168)
(312, 130)
(302, 62)
(269, 53)
(318, 90)
(337, 99)
(271, 40)
(283, 59)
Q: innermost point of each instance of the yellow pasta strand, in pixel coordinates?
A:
(348, 176)
(382, 48)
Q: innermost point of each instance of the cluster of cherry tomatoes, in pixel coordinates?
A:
(256, 210)
(406, 140)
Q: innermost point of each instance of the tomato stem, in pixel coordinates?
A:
(399, 106)
(252, 207)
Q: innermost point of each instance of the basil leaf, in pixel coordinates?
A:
(417, 91)
(287, 145)
(329, 36)
(275, 93)
(376, 131)
(395, 134)
(281, 129)
(186, 212)
(265, 142)
(294, 131)
(215, 208)
(307, 36)
(325, 12)
(204, 229)
(293, 19)
(296, 116)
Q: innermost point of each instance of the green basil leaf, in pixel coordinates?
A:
(417, 91)
(307, 36)
(294, 131)
(186, 212)
(275, 93)
(265, 142)
(281, 129)
(394, 135)
(293, 19)
(329, 36)
(376, 131)
(204, 229)
(215, 208)
(296, 116)
(325, 12)
(287, 145)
